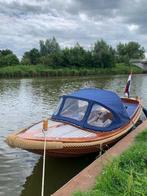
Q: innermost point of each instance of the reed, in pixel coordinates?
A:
(20, 71)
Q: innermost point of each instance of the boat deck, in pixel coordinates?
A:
(65, 132)
(56, 131)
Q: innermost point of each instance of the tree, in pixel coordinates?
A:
(31, 57)
(5, 52)
(66, 57)
(53, 60)
(89, 61)
(50, 46)
(26, 59)
(7, 58)
(103, 54)
(43, 50)
(128, 51)
(75, 56)
(50, 52)
(34, 56)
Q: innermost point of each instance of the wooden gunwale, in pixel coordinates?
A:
(101, 138)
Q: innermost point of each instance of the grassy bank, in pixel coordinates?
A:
(126, 175)
(45, 71)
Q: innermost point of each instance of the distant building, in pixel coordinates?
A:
(140, 63)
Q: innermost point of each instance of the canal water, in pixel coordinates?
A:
(25, 101)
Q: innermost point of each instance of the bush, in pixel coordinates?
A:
(8, 60)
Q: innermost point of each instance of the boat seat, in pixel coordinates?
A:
(101, 119)
(130, 108)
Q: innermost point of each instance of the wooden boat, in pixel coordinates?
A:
(84, 122)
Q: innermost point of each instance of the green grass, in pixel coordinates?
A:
(126, 175)
(46, 71)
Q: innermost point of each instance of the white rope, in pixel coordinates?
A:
(43, 168)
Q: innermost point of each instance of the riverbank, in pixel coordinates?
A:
(126, 175)
(20, 71)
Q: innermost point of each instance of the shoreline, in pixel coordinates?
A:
(34, 71)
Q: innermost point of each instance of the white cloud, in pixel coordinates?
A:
(23, 22)
(133, 27)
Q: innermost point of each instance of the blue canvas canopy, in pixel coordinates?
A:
(105, 98)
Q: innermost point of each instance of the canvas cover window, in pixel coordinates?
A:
(100, 116)
(74, 109)
(58, 106)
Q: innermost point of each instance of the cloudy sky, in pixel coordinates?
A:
(24, 22)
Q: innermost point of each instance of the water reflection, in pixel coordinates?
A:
(58, 172)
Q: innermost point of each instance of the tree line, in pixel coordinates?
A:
(101, 55)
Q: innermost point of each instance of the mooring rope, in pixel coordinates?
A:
(43, 167)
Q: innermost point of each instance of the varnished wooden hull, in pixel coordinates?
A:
(68, 147)
(80, 151)
(76, 152)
